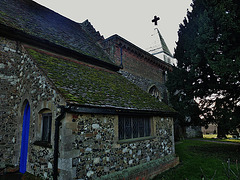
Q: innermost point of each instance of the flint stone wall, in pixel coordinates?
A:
(21, 81)
(90, 147)
(9, 100)
(194, 132)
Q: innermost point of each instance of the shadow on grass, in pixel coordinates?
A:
(196, 155)
(220, 151)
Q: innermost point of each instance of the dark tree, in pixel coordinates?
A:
(206, 84)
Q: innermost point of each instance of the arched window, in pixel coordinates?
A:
(155, 92)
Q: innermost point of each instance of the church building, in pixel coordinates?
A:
(74, 105)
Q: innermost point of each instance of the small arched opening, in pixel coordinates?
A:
(155, 92)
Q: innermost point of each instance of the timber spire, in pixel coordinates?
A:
(158, 45)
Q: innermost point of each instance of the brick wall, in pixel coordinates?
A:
(138, 66)
(137, 69)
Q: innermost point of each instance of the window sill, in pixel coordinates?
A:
(136, 139)
(43, 144)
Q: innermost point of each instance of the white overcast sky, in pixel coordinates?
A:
(130, 19)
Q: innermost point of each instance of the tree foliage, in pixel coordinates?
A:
(206, 83)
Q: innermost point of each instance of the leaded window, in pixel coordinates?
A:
(133, 127)
(46, 127)
(155, 92)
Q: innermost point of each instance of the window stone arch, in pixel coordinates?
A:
(153, 90)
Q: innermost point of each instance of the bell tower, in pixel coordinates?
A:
(158, 46)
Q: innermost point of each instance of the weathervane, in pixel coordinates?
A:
(155, 20)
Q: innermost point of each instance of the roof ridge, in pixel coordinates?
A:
(135, 49)
(88, 28)
(39, 21)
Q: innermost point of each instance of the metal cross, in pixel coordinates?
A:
(155, 20)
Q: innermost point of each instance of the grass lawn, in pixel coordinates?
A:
(214, 137)
(208, 156)
(210, 136)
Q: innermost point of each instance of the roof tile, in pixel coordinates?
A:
(87, 85)
(39, 21)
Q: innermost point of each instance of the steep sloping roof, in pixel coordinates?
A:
(41, 22)
(88, 85)
(164, 45)
(88, 27)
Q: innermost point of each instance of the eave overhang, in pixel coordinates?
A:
(73, 108)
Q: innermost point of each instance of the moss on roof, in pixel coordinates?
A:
(39, 21)
(87, 85)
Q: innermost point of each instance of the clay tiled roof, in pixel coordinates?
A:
(38, 21)
(93, 86)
